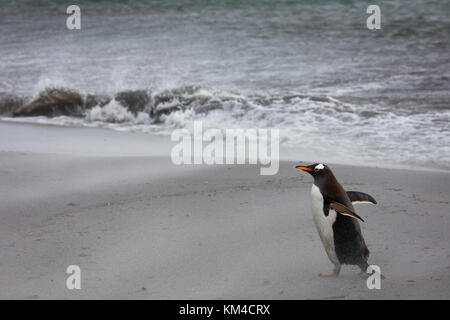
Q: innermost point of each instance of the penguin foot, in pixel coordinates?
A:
(335, 273)
(329, 274)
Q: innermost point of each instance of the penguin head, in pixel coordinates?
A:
(317, 170)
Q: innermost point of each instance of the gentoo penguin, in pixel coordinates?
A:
(336, 220)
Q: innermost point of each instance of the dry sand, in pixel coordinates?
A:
(142, 228)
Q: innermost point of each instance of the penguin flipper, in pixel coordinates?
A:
(360, 197)
(342, 209)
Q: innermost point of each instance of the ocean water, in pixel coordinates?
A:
(309, 68)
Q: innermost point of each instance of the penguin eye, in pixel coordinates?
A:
(318, 167)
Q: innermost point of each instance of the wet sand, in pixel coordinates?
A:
(140, 227)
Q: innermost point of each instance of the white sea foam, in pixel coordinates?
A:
(114, 112)
(322, 126)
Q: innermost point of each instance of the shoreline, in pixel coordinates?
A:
(162, 141)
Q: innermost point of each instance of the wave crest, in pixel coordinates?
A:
(318, 124)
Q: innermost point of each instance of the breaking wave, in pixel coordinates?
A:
(320, 124)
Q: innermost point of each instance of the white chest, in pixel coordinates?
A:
(324, 224)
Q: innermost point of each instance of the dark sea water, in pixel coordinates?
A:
(310, 68)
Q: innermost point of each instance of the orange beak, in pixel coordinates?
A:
(303, 168)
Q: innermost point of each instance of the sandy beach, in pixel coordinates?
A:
(140, 227)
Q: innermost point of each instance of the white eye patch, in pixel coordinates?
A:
(319, 167)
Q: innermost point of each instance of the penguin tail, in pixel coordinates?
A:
(360, 197)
